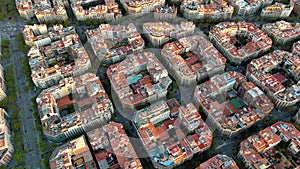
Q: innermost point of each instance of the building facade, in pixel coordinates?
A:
(192, 59)
(138, 80)
(197, 9)
(277, 10)
(159, 33)
(259, 71)
(74, 106)
(108, 11)
(231, 103)
(282, 32)
(141, 6)
(2, 84)
(154, 113)
(57, 52)
(165, 13)
(239, 42)
(113, 43)
(6, 146)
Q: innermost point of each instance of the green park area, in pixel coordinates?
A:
(5, 49)
(8, 10)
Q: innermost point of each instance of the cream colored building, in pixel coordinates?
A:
(2, 84)
(277, 10)
(6, 146)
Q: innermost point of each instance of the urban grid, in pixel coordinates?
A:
(150, 84)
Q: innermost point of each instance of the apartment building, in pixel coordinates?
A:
(25, 8)
(74, 106)
(170, 143)
(296, 4)
(239, 42)
(74, 154)
(296, 48)
(174, 107)
(258, 71)
(57, 52)
(159, 33)
(232, 103)
(277, 10)
(165, 13)
(43, 10)
(113, 43)
(219, 161)
(189, 116)
(197, 9)
(113, 148)
(282, 32)
(138, 80)
(248, 7)
(141, 6)
(2, 84)
(192, 58)
(107, 147)
(154, 113)
(6, 144)
(258, 150)
(84, 10)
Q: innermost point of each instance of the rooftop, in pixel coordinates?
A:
(57, 52)
(5, 136)
(296, 48)
(250, 4)
(138, 5)
(89, 98)
(108, 7)
(255, 149)
(193, 56)
(144, 116)
(260, 70)
(219, 162)
(232, 101)
(166, 29)
(138, 77)
(41, 8)
(215, 8)
(112, 43)
(73, 154)
(283, 29)
(168, 144)
(224, 34)
(112, 138)
(121, 146)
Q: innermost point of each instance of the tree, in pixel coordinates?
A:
(247, 15)
(95, 22)
(65, 23)
(18, 156)
(53, 63)
(46, 160)
(17, 140)
(88, 22)
(175, 84)
(10, 8)
(237, 20)
(43, 145)
(171, 94)
(15, 126)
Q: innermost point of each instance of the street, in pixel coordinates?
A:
(27, 123)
